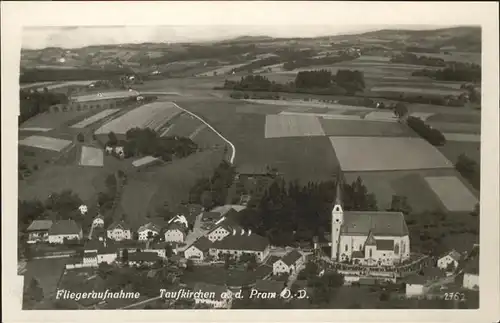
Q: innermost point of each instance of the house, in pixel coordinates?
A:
(157, 248)
(64, 230)
(38, 231)
(289, 263)
(107, 253)
(176, 232)
(83, 209)
(148, 230)
(96, 252)
(119, 231)
(415, 286)
(471, 274)
(450, 259)
(253, 170)
(215, 296)
(142, 258)
(98, 221)
(199, 250)
(222, 228)
(238, 244)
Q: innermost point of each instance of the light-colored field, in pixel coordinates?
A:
(104, 96)
(49, 143)
(96, 117)
(379, 153)
(421, 115)
(91, 157)
(336, 115)
(418, 90)
(52, 120)
(462, 137)
(151, 115)
(310, 104)
(35, 129)
(453, 193)
(364, 128)
(69, 83)
(184, 126)
(34, 85)
(381, 116)
(144, 161)
(278, 126)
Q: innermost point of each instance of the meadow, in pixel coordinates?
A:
(333, 127)
(104, 96)
(49, 143)
(455, 196)
(96, 117)
(278, 126)
(52, 120)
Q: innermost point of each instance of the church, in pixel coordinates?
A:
(369, 238)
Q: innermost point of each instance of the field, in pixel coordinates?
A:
(144, 161)
(151, 115)
(96, 117)
(183, 125)
(375, 154)
(364, 128)
(91, 157)
(69, 83)
(462, 137)
(452, 149)
(35, 129)
(104, 96)
(52, 120)
(455, 127)
(55, 178)
(151, 188)
(434, 91)
(452, 192)
(278, 126)
(45, 143)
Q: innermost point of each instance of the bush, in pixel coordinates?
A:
(433, 136)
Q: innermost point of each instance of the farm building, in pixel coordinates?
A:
(415, 286)
(289, 264)
(38, 231)
(175, 232)
(238, 244)
(64, 230)
(199, 250)
(148, 230)
(224, 227)
(471, 275)
(452, 257)
(94, 101)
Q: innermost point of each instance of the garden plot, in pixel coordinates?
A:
(462, 137)
(455, 196)
(96, 117)
(45, 143)
(278, 126)
(152, 115)
(378, 153)
(91, 156)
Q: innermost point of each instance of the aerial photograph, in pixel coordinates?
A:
(195, 167)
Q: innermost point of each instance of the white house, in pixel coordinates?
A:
(108, 255)
(90, 259)
(64, 230)
(289, 264)
(147, 230)
(218, 296)
(98, 221)
(415, 286)
(175, 233)
(199, 250)
(83, 209)
(453, 257)
(239, 243)
(38, 231)
(471, 275)
(223, 228)
(119, 231)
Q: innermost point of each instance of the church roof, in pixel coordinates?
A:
(379, 223)
(370, 241)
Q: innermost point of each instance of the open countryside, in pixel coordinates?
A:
(345, 166)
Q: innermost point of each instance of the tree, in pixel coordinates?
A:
(190, 265)
(168, 251)
(400, 204)
(465, 166)
(400, 110)
(112, 139)
(80, 137)
(125, 255)
(324, 287)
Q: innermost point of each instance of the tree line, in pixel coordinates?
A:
(317, 82)
(456, 71)
(432, 135)
(33, 102)
(310, 61)
(73, 74)
(409, 58)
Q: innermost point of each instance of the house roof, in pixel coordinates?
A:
(271, 260)
(210, 288)
(385, 244)
(143, 256)
(455, 255)
(119, 224)
(244, 242)
(65, 227)
(176, 226)
(40, 225)
(92, 254)
(370, 241)
(269, 285)
(380, 223)
(203, 244)
(472, 266)
(149, 226)
(291, 257)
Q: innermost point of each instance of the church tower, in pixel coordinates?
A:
(337, 220)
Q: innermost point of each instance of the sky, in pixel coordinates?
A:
(75, 36)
